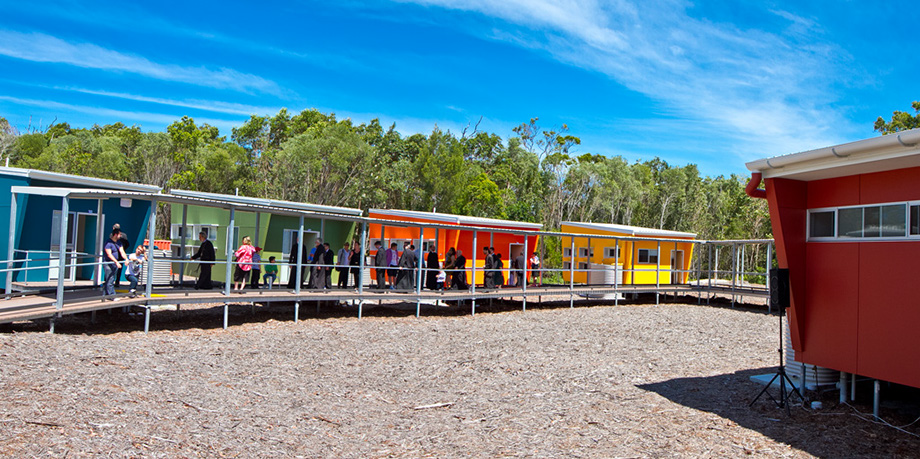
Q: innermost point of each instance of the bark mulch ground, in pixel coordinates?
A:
(636, 380)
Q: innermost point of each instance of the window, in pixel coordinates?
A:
(582, 265)
(611, 252)
(821, 224)
(585, 252)
(896, 220)
(567, 252)
(566, 264)
(648, 256)
(915, 220)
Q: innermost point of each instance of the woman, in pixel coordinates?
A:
(433, 265)
(135, 262)
(450, 261)
(535, 268)
(354, 261)
(243, 264)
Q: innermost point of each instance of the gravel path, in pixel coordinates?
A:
(630, 381)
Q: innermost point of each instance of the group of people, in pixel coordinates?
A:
(116, 260)
(319, 263)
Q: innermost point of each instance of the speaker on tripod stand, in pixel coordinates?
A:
(779, 298)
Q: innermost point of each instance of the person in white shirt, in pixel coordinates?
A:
(535, 269)
(133, 268)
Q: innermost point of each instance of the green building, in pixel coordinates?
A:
(272, 230)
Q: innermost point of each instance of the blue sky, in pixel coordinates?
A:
(712, 83)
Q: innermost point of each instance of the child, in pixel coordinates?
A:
(271, 272)
(442, 276)
(256, 268)
(135, 261)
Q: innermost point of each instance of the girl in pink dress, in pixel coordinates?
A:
(243, 257)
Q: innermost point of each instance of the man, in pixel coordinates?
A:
(317, 272)
(460, 274)
(111, 266)
(206, 254)
(328, 261)
(392, 264)
(380, 265)
(487, 276)
(292, 263)
(407, 262)
(433, 265)
(519, 262)
(342, 265)
(354, 261)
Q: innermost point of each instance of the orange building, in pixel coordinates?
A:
(500, 234)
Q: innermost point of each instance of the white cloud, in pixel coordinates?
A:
(38, 47)
(206, 105)
(120, 115)
(770, 91)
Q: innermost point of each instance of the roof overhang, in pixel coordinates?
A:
(456, 219)
(878, 154)
(247, 200)
(631, 230)
(95, 183)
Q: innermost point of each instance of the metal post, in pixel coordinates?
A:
(362, 265)
(588, 264)
(523, 280)
(473, 280)
(767, 273)
(734, 270)
(183, 238)
(226, 315)
(714, 269)
(658, 274)
(11, 249)
(843, 387)
(62, 251)
(322, 228)
(572, 275)
(100, 242)
(418, 284)
(616, 275)
(296, 311)
(255, 234)
(151, 231)
(228, 253)
(298, 272)
(853, 387)
(146, 319)
(876, 398)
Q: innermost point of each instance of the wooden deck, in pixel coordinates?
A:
(42, 306)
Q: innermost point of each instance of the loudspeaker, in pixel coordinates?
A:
(779, 288)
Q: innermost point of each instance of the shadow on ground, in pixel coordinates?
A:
(117, 320)
(822, 433)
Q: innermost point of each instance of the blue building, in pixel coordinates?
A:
(35, 236)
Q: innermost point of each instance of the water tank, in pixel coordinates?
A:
(815, 375)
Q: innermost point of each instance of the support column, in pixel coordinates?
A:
(419, 276)
(255, 234)
(767, 273)
(11, 248)
(616, 274)
(62, 257)
(151, 231)
(876, 398)
(524, 271)
(100, 243)
(843, 387)
(364, 250)
(298, 272)
(473, 280)
(183, 239)
(658, 275)
(228, 273)
(572, 262)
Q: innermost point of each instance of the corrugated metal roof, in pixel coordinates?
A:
(78, 180)
(631, 230)
(248, 200)
(456, 219)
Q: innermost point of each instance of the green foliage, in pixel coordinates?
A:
(533, 176)
(900, 121)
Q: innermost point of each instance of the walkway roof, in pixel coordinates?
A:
(247, 200)
(78, 180)
(631, 230)
(455, 219)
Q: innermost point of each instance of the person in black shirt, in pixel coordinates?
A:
(292, 263)
(205, 253)
(328, 260)
(355, 262)
(318, 273)
(433, 265)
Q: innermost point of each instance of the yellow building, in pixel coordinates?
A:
(638, 262)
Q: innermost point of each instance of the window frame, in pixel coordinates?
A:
(862, 238)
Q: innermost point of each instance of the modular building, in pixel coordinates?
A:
(846, 220)
(664, 260)
(36, 237)
(273, 232)
(505, 235)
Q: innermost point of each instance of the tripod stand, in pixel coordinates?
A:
(784, 394)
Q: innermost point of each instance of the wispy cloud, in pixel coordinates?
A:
(769, 90)
(39, 47)
(120, 115)
(205, 105)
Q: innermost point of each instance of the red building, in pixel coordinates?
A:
(846, 220)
